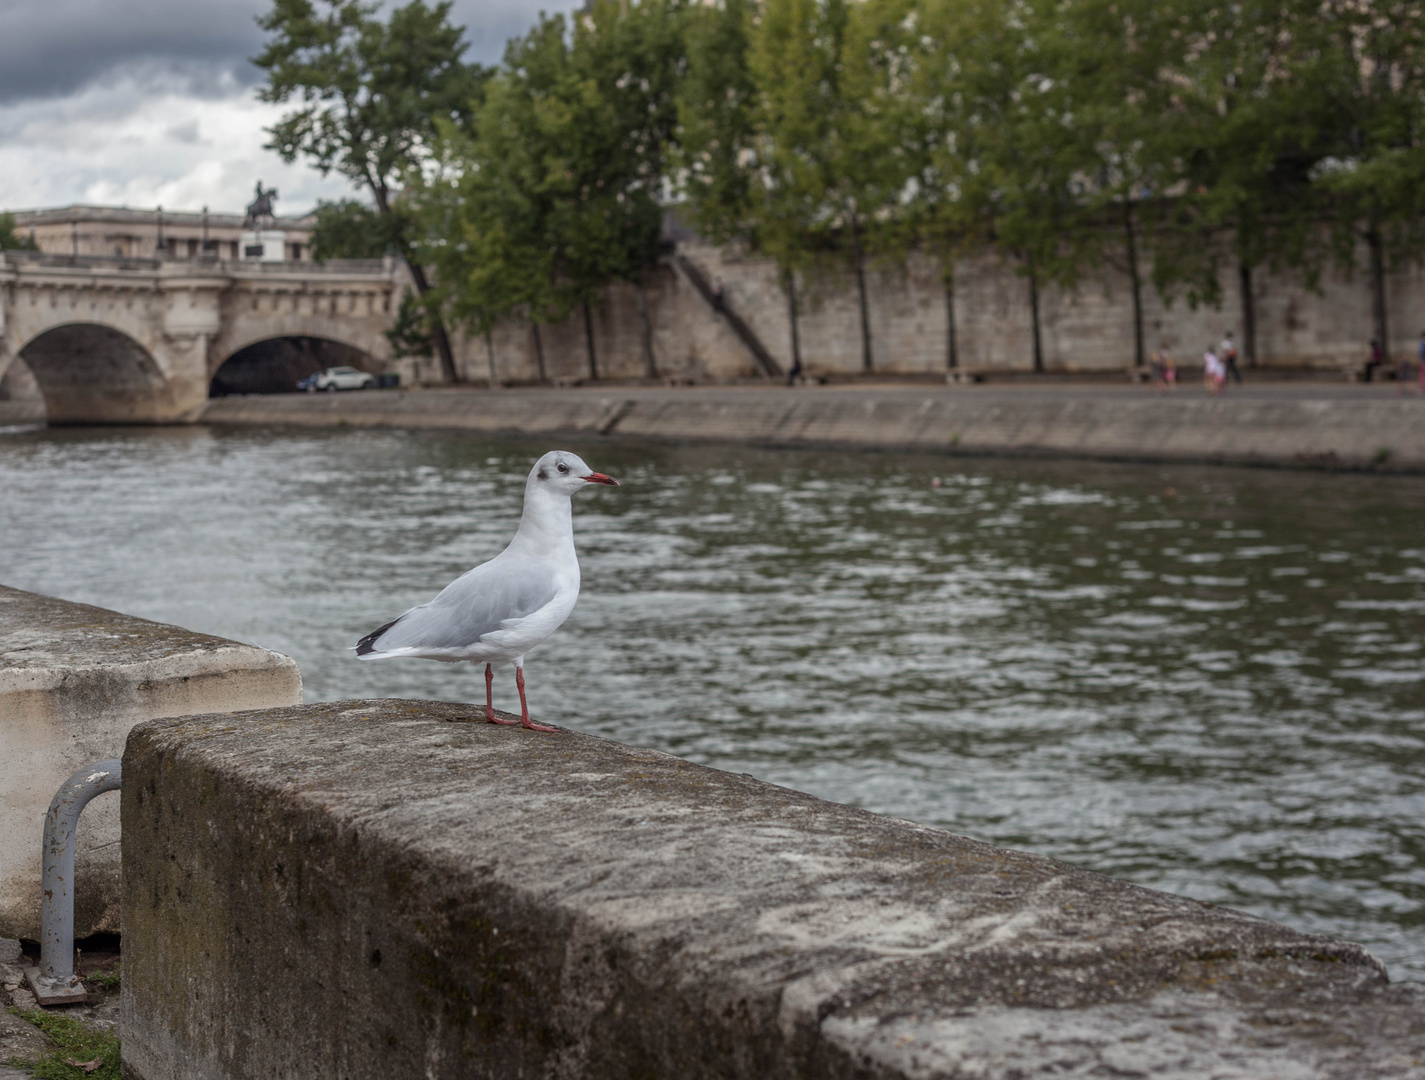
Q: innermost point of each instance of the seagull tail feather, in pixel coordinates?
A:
(367, 645)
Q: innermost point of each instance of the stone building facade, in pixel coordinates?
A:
(118, 232)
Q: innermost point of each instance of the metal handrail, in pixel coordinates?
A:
(56, 983)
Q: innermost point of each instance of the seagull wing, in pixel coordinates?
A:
(506, 589)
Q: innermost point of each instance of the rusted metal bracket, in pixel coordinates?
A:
(55, 983)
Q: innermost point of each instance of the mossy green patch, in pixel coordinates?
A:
(74, 1042)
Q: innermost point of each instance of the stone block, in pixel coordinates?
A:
(397, 889)
(73, 680)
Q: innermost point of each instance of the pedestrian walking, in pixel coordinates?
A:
(1374, 361)
(1214, 375)
(1170, 370)
(1228, 355)
(1160, 363)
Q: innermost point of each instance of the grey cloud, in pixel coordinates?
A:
(184, 133)
(52, 49)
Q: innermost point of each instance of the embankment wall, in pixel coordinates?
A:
(1082, 330)
(392, 889)
(1337, 429)
(73, 680)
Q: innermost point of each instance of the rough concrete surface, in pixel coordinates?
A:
(388, 889)
(73, 680)
(19, 1041)
(1319, 426)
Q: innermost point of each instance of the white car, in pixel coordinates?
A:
(340, 378)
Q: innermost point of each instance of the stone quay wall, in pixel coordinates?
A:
(390, 889)
(73, 680)
(1089, 329)
(1340, 427)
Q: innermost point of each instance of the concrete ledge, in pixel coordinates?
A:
(391, 889)
(1339, 427)
(73, 680)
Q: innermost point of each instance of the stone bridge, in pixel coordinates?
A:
(112, 340)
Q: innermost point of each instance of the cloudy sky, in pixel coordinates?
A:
(153, 102)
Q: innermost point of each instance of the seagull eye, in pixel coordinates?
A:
(563, 468)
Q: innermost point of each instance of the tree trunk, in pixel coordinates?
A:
(589, 337)
(418, 276)
(490, 357)
(1136, 283)
(437, 327)
(1034, 317)
(1378, 309)
(650, 362)
(1249, 315)
(538, 352)
(952, 347)
(867, 361)
(792, 317)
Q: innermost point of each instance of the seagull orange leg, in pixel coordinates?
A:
(524, 706)
(490, 697)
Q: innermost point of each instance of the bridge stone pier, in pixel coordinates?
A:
(138, 341)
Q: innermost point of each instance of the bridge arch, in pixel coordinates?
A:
(272, 365)
(253, 318)
(90, 373)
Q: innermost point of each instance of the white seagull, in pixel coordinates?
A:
(497, 612)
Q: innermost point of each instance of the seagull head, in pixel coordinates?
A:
(560, 472)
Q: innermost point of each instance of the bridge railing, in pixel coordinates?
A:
(47, 258)
(331, 266)
(222, 266)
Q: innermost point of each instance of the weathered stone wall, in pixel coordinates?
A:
(1337, 427)
(73, 680)
(689, 341)
(397, 889)
(1088, 329)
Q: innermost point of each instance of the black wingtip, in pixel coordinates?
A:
(368, 644)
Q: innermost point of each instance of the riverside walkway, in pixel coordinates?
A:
(1284, 424)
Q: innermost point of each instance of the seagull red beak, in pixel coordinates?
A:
(600, 478)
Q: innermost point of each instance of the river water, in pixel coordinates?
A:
(1205, 680)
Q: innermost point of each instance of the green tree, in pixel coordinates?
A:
(714, 149)
(8, 240)
(826, 150)
(1106, 85)
(1003, 170)
(411, 333)
(1370, 64)
(1249, 123)
(559, 192)
(347, 229)
(369, 96)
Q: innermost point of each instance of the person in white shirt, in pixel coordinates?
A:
(1214, 376)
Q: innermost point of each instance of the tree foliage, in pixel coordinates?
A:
(1185, 143)
(348, 229)
(9, 241)
(369, 96)
(559, 191)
